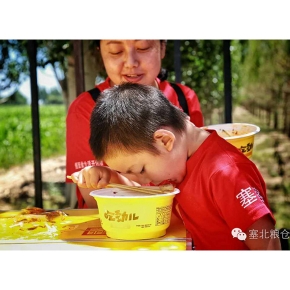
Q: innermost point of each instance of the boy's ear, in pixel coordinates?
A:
(164, 138)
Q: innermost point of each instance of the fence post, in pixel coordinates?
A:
(32, 51)
(177, 61)
(227, 81)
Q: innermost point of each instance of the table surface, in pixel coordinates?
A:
(86, 233)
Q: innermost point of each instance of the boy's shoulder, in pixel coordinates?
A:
(216, 149)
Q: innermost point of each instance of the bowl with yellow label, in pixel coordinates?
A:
(130, 215)
(241, 135)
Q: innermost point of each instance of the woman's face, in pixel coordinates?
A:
(137, 61)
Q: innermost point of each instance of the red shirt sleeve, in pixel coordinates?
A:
(243, 200)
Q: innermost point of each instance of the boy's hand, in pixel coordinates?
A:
(92, 177)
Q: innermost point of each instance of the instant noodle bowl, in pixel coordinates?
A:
(129, 215)
(241, 135)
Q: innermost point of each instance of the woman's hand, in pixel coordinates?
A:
(92, 177)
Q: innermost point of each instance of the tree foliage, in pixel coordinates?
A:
(15, 99)
(50, 97)
(266, 81)
(202, 70)
(13, 63)
(55, 53)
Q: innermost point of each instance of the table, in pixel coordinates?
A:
(89, 235)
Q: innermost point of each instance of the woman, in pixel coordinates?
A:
(137, 61)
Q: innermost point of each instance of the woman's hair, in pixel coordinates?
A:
(126, 116)
(163, 74)
(97, 43)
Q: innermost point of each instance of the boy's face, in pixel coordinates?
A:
(170, 164)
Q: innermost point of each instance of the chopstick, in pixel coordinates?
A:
(226, 133)
(149, 190)
(137, 188)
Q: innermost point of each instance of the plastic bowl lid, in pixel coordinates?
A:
(229, 126)
(121, 193)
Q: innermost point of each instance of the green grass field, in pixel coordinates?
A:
(16, 145)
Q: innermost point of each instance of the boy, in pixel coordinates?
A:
(145, 139)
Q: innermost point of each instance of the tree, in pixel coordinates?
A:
(265, 77)
(15, 99)
(54, 97)
(202, 70)
(13, 64)
(42, 94)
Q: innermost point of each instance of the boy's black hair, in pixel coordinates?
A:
(126, 116)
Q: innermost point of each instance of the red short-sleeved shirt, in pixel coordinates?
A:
(78, 152)
(223, 190)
